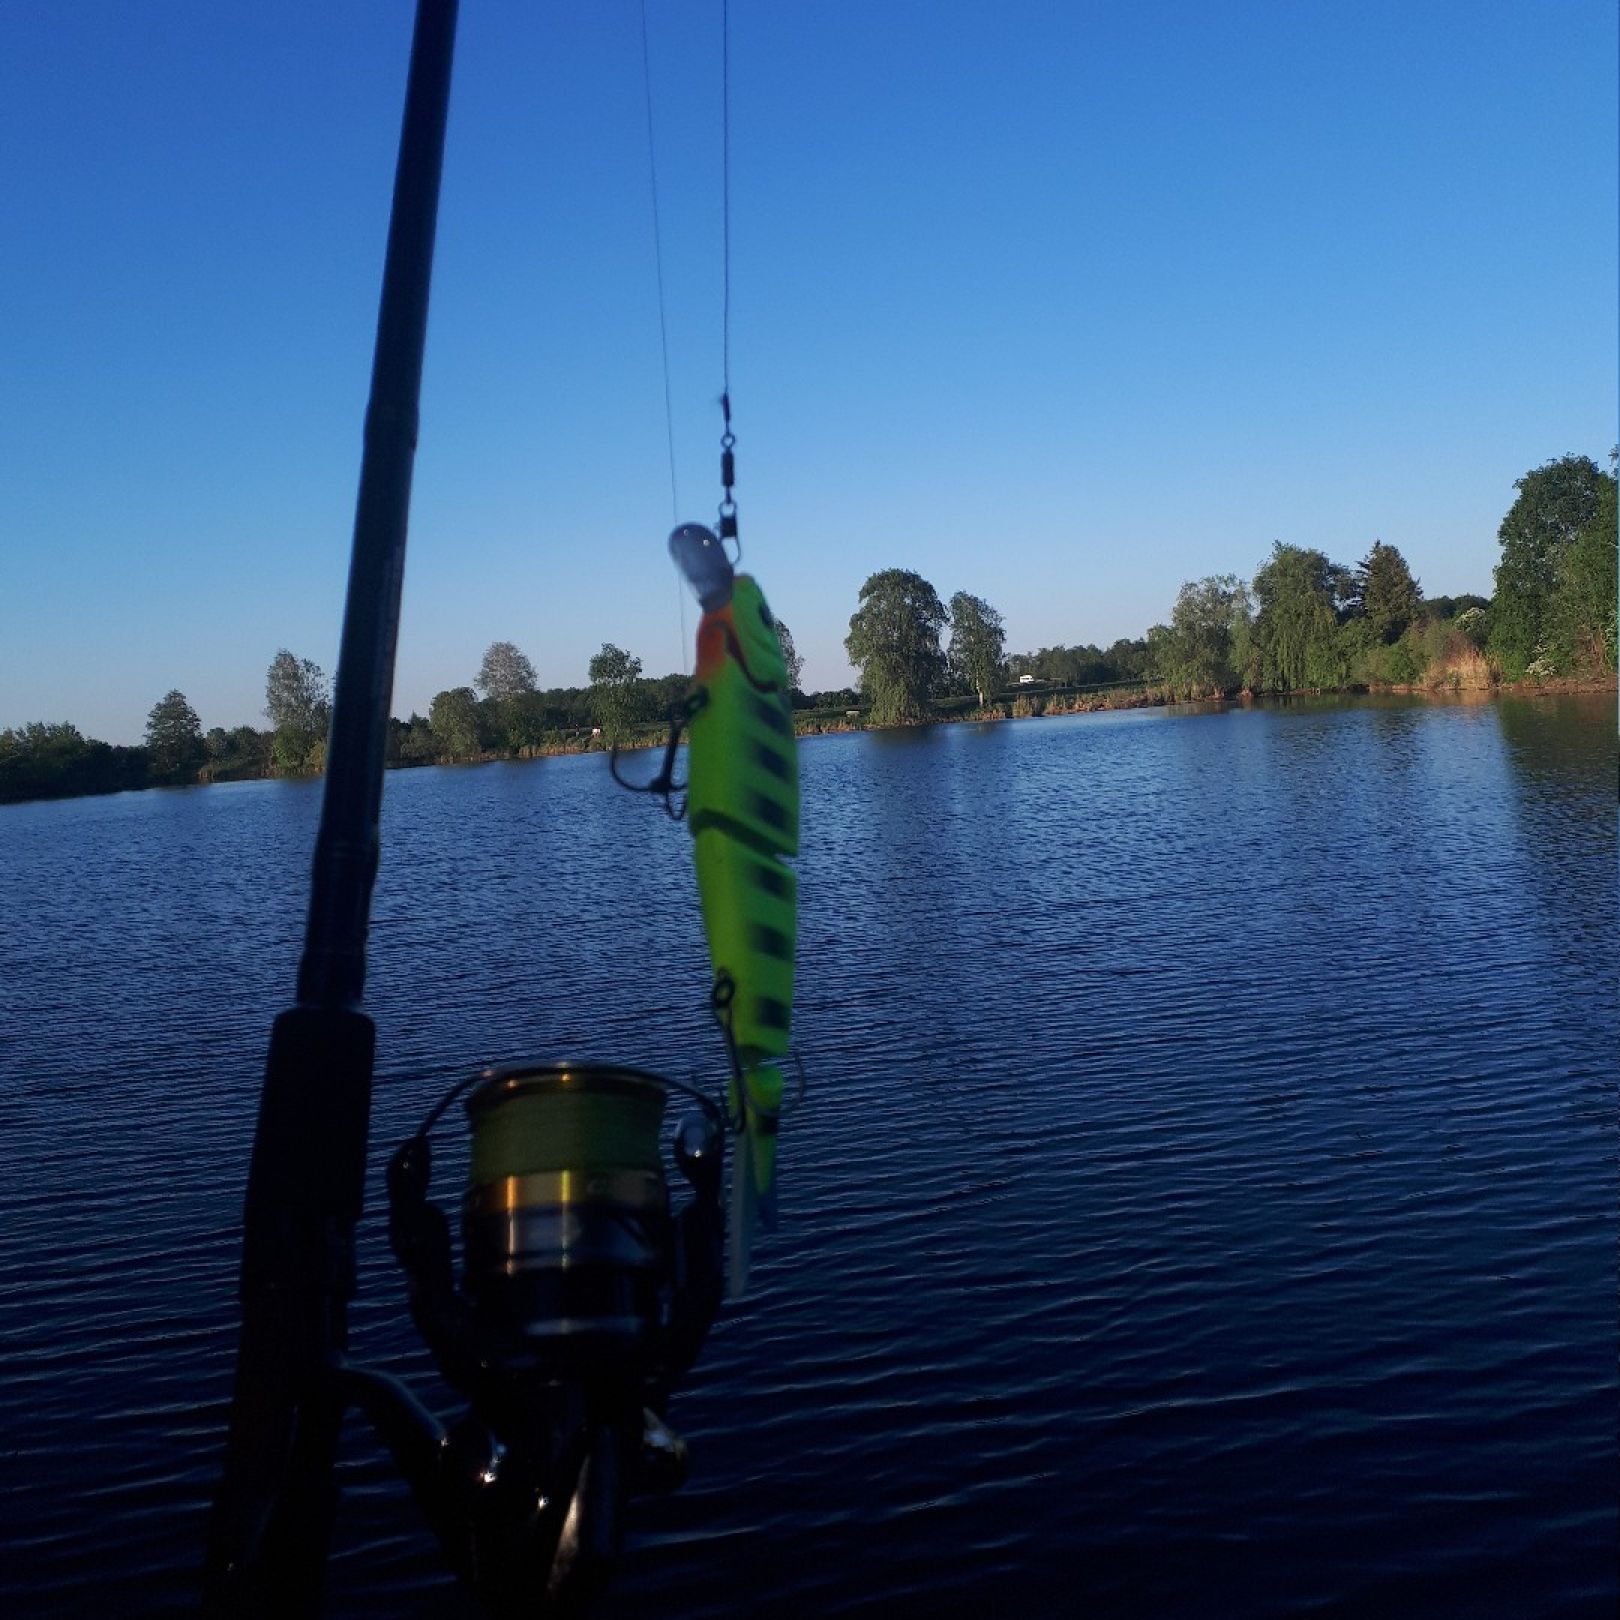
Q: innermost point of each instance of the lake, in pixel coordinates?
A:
(1203, 1202)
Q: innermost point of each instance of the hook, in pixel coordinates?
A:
(664, 785)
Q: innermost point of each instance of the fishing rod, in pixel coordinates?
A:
(273, 1511)
(584, 1293)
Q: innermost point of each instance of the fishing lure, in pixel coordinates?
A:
(742, 806)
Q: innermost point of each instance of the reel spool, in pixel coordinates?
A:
(566, 1221)
(574, 1267)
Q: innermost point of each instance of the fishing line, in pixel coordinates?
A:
(727, 524)
(658, 266)
(726, 528)
(663, 318)
(725, 200)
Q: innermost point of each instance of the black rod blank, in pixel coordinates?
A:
(273, 1511)
(333, 970)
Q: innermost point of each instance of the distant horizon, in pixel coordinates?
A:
(1060, 308)
(260, 722)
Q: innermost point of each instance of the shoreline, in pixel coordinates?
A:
(1099, 703)
(1048, 704)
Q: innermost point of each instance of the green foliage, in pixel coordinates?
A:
(1079, 665)
(1208, 638)
(894, 641)
(1373, 662)
(174, 739)
(1158, 641)
(56, 761)
(238, 753)
(297, 701)
(1449, 607)
(1126, 660)
(293, 750)
(1580, 616)
(668, 692)
(1295, 642)
(1403, 663)
(977, 641)
(1386, 592)
(411, 742)
(834, 701)
(790, 655)
(615, 701)
(519, 720)
(453, 720)
(1556, 504)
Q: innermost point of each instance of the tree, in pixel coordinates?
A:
(505, 672)
(298, 703)
(1386, 592)
(1295, 641)
(174, 737)
(1126, 660)
(977, 643)
(1448, 607)
(790, 655)
(1206, 648)
(614, 699)
(894, 641)
(511, 712)
(55, 761)
(453, 719)
(666, 694)
(1580, 620)
(411, 742)
(1556, 502)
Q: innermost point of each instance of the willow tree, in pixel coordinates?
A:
(1297, 594)
(1206, 648)
(977, 641)
(893, 641)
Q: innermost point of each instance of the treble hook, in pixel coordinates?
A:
(663, 785)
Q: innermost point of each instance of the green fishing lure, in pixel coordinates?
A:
(742, 807)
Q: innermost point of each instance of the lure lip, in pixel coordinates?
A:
(702, 559)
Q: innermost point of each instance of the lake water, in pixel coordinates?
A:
(1204, 1202)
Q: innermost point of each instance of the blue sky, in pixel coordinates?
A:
(1058, 303)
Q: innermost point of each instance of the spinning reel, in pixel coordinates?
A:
(583, 1296)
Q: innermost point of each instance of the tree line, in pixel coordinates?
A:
(1306, 622)
(504, 711)
(1302, 622)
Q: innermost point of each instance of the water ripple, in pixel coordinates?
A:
(1203, 1203)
